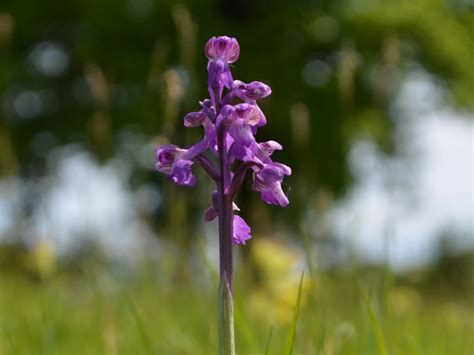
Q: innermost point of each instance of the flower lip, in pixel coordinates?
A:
(224, 48)
(241, 230)
(181, 173)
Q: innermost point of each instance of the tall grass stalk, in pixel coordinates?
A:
(376, 327)
(290, 340)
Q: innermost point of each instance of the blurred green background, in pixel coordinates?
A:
(373, 102)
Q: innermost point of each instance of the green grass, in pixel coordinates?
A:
(290, 341)
(353, 313)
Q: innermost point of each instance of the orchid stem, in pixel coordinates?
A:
(225, 213)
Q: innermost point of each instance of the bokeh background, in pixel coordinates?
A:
(373, 102)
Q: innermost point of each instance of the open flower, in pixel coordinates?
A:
(221, 51)
(268, 181)
(240, 121)
(176, 162)
(250, 93)
(166, 155)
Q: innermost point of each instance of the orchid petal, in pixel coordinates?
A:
(195, 119)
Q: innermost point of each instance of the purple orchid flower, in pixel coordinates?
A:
(268, 181)
(221, 51)
(177, 162)
(229, 133)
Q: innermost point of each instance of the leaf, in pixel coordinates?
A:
(226, 319)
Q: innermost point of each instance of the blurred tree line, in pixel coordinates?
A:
(103, 73)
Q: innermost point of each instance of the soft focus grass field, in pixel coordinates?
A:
(366, 312)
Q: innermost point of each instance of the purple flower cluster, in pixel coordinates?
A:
(230, 119)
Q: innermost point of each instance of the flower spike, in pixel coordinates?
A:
(229, 118)
(229, 135)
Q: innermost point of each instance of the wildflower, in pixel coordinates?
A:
(176, 162)
(237, 125)
(229, 134)
(268, 182)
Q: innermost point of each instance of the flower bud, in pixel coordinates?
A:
(255, 90)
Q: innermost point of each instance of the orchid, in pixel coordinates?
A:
(230, 119)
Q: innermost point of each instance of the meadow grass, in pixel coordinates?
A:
(356, 312)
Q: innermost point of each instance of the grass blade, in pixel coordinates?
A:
(379, 336)
(243, 326)
(269, 338)
(146, 341)
(290, 340)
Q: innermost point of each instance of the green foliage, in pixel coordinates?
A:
(146, 341)
(379, 336)
(101, 314)
(290, 340)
